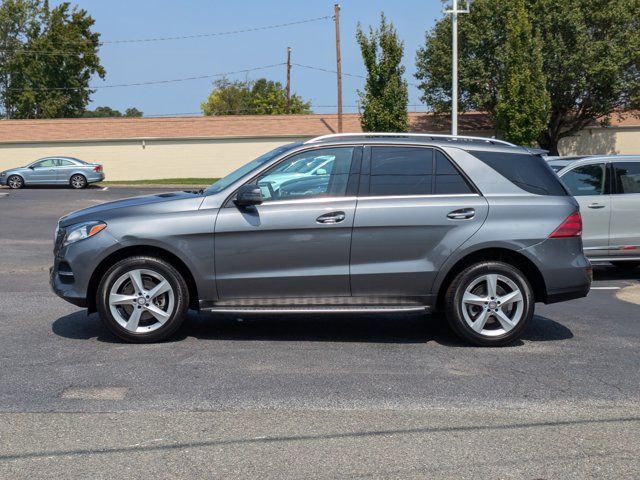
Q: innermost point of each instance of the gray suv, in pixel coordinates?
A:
(476, 228)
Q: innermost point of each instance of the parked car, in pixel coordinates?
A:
(54, 171)
(477, 228)
(608, 191)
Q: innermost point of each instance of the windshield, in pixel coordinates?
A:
(252, 165)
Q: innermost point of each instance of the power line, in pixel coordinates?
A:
(164, 39)
(153, 82)
(327, 70)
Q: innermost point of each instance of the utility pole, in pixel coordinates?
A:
(288, 80)
(454, 11)
(336, 18)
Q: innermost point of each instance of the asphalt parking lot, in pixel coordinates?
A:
(304, 397)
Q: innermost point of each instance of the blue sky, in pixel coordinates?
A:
(312, 44)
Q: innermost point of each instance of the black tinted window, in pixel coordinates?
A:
(401, 171)
(529, 172)
(627, 177)
(448, 180)
(585, 180)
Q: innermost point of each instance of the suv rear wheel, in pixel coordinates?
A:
(489, 303)
(142, 299)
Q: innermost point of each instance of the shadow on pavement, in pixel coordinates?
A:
(605, 273)
(357, 328)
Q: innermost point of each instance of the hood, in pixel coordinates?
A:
(172, 201)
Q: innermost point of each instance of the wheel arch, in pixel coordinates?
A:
(501, 254)
(145, 250)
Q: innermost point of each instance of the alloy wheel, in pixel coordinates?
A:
(492, 305)
(15, 182)
(141, 300)
(78, 181)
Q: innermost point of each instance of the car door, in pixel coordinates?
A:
(65, 169)
(625, 210)
(296, 243)
(590, 185)
(415, 208)
(43, 172)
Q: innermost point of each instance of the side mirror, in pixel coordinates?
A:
(248, 195)
(321, 171)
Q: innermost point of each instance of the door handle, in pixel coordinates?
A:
(462, 214)
(596, 205)
(331, 217)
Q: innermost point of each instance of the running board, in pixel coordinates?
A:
(317, 309)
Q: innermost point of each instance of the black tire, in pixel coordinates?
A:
(454, 305)
(15, 182)
(630, 265)
(78, 181)
(180, 293)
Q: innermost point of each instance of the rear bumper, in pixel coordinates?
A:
(566, 272)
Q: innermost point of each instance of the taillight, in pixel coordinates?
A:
(98, 168)
(571, 227)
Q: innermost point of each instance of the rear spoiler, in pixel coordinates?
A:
(537, 151)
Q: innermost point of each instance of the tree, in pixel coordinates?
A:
(102, 112)
(523, 106)
(108, 112)
(590, 53)
(133, 112)
(50, 55)
(259, 97)
(385, 97)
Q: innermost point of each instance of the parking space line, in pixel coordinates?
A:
(606, 288)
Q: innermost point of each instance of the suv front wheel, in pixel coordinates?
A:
(142, 299)
(489, 303)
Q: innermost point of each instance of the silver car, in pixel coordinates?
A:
(608, 191)
(54, 171)
(476, 228)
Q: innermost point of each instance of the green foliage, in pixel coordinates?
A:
(258, 97)
(48, 56)
(590, 53)
(523, 107)
(108, 112)
(133, 112)
(385, 97)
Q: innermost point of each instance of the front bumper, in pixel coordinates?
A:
(73, 266)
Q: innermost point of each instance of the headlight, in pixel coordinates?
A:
(82, 231)
(2, 174)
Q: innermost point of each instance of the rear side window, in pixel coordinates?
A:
(401, 171)
(627, 176)
(65, 163)
(448, 180)
(586, 180)
(529, 172)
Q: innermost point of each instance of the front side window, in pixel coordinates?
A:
(247, 168)
(46, 163)
(586, 180)
(322, 172)
(627, 177)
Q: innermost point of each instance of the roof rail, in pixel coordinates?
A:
(432, 136)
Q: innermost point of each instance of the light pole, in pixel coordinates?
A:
(454, 11)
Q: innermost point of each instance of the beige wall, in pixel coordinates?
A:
(129, 160)
(600, 141)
